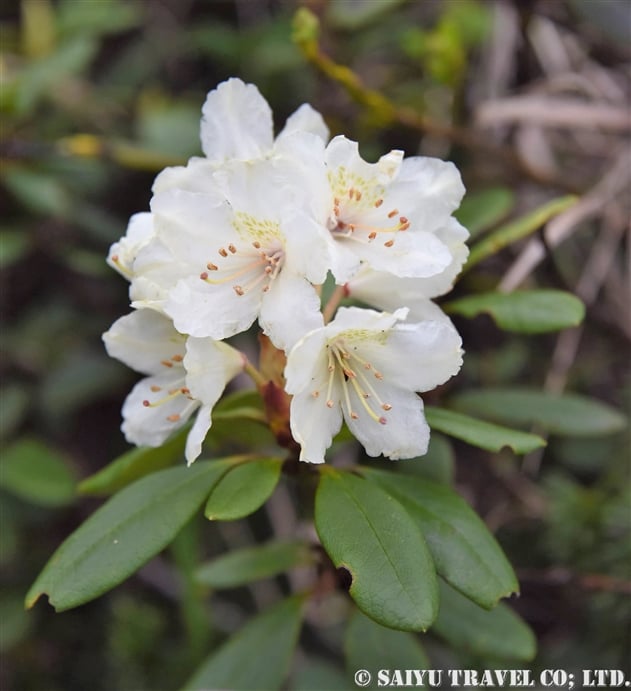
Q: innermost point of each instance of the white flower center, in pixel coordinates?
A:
(358, 212)
(175, 391)
(356, 376)
(253, 265)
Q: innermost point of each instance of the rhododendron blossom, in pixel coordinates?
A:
(249, 233)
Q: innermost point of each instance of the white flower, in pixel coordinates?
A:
(184, 375)
(388, 214)
(237, 125)
(254, 255)
(365, 367)
(387, 292)
(122, 254)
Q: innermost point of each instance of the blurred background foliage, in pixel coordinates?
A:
(98, 95)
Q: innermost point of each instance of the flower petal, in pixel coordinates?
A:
(305, 119)
(145, 341)
(289, 310)
(210, 365)
(236, 122)
(151, 425)
(405, 433)
(197, 434)
(122, 253)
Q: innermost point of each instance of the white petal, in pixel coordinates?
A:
(405, 433)
(343, 158)
(427, 191)
(236, 122)
(412, 254)
(308, 246)
(357, 319)
(152, 425)
(210, 365)
(145, 341)
(155, 271)
(417, 356)
(306, 362)
(195, 176)
(289, 310)
(197, 434)
(122, 254)
(305, 119)
(214, 311)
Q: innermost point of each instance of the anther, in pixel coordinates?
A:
(256, 244)
(358, 195)
(203, 275)
(146, 403)
(378, 203)
(315, 394)
(223, 252)
(173, 418)
(211, 267)
(378, 375)
(115, 258)
(389, 243)
(351, 193)
(330, 403)
(354, 415)
(383, 420)
(177, 358)
(232, 248)
(156, 388)
(238, 290)
(386, 406)
(372, 235)
(393, 213)
(166, 363)
(403, 220)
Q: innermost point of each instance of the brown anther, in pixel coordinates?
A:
(115, 258)
(256, 244)
(354, 415)
(177, 358)
(185, 390)
(265, 289)
(203, 275)
(389, 243)
(393, 213)
(351, 227)
(358, 195)
(378, 203)
(336, 202)
(173, 418)
(373, 235)
(349, 373)
(238, 290)
(268, 269)
(146, 403)
(383, 420)
(405, 226)
(223, 252)
(211, 267)
(166, 363)
(403, 220)
(315, 394)
(386, 406)
(330, 403)
(232, 248)
(378, 375)
(156, 388)
(341, 225)
(351, 193)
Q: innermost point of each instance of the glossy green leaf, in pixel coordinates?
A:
(481, 210)
(35, 472)
(524, 311)
(253, 563)
(270, 638)
(133, 465)
(498, 634)
(371, 646)
(243, 490)
(369, 533)
(124, 533)
(465, 553)
(478, 433)
(565, 414)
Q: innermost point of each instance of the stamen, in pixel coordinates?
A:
(223, 252)
(378, 203)
(211, 267)
(177, 358)
(238, 290)
(389, 243)
(256, 244)
(232, 248)
(166, 363)
(173, 418)
(155, 388)
(393, 213)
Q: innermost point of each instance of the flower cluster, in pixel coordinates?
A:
(250, 232)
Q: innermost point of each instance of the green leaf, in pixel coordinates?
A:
(96, 18)
(479, 433)
(37, 473)
(39, 192)
(270, 637)
(524, 311)
(366, 531)
(16, 623)
(14, 404)
(370, 646)
(253, 563)
(517, 229)
(499, 634)
(563, 414)
(243, 490)
(480, 211)
(133, 465)
(124, 533)
(465, 553)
